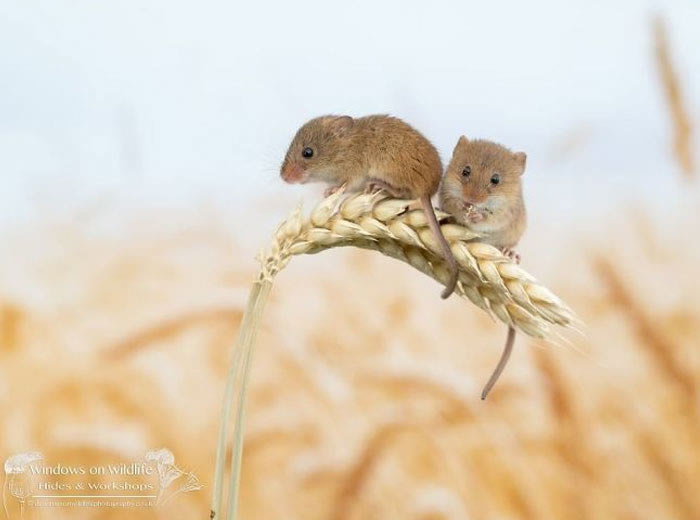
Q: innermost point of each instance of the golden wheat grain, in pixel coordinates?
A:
(373, 221)
(395, 228)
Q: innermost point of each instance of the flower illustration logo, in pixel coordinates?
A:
(169, 473)
(17, 481)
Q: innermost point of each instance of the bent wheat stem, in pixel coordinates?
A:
(236, 384)
(396, 228)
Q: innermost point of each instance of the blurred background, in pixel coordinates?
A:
(139, 153)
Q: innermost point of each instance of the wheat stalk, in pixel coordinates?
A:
(396, 228)
(671, 84)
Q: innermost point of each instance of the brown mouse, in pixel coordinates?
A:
(482, 189)
(370, 153)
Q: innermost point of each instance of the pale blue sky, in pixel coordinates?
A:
(178, 103)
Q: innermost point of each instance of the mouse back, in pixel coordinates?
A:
(399, 155)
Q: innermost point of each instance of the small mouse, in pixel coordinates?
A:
(482, 190)
(371, 153)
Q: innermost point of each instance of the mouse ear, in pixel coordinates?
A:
(463, 141)
(521, 158)
(341, 124)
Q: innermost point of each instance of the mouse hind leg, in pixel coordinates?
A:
(330, 190)
(375, 185)
(512, 254)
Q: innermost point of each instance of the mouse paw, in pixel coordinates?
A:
(377, 185)
(331, 190)
(373, 188)
(475, 217)
(512, 254)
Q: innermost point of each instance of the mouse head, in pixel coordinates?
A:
(315, 149)
(484, 174)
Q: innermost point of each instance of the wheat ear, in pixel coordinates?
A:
(396, 228)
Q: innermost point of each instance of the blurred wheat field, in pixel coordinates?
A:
(364, 400)
(365, 387)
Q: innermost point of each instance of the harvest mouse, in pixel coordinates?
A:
(370, 153)
(482, 190)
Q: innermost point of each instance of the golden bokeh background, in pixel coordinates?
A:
(364, 398)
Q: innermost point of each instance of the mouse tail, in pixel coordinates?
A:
(510, 339)
(444, 245)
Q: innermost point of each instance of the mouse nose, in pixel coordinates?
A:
(292, 173)
(474, 198)
(467, 201)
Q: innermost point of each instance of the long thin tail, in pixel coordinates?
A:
(444, 245)
(510, 339)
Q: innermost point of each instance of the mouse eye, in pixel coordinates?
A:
(495, 179)
(307, 153)
(467, 171)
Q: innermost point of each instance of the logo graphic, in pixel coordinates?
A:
(168, 473)
(153, 481)
(18, 479)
